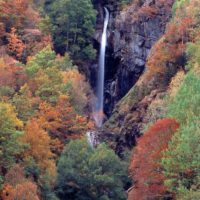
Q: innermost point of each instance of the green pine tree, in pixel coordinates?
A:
(87, 173)
(74, 26)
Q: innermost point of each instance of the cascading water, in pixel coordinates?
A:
(91, 138)
(98, 116)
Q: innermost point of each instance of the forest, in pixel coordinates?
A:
(47, 97)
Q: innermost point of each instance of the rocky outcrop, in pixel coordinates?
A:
(130, 114)
(111, 61)
(125, 122)
(132, 35)
(135, 31)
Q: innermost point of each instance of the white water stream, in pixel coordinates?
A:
(91, 138)
(98, 116)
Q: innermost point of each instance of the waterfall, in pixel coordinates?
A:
(98, 116)
(91, 138)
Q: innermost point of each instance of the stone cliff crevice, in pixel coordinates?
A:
(132, 34)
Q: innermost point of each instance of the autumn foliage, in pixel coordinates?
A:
(167, 55)
(145, 167)
(148, 11)
(13, 14)
(39, 147)
(17, 186)
(15, 45)
(11, 75)
(61, 122)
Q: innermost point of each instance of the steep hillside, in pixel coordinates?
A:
(135, 31)
(165, 162)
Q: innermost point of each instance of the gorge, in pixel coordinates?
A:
(129, 43)
(99, 99)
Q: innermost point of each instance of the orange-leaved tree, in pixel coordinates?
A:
(15, 45)
(17, 186)
(73, 125)
(39, 148)
(11, 75)
(145, 167)
(13, 14)
(61, 122)
(168, 53)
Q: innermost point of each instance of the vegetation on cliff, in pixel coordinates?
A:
(45, 106)
(177, 170)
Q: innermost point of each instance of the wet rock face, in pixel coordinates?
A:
(133, 39)
(111, 63)
(131, 36)
(132, 33)
(132, 46)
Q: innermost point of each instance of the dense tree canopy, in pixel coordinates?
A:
(87, 173)
(45, 105)
(145, 166)
(74, 22)
(10, 131)
(13, 14)
(181, 160)
(17, 186)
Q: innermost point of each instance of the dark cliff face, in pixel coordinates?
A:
(132, 37)
(131, 34)
(111, 63)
